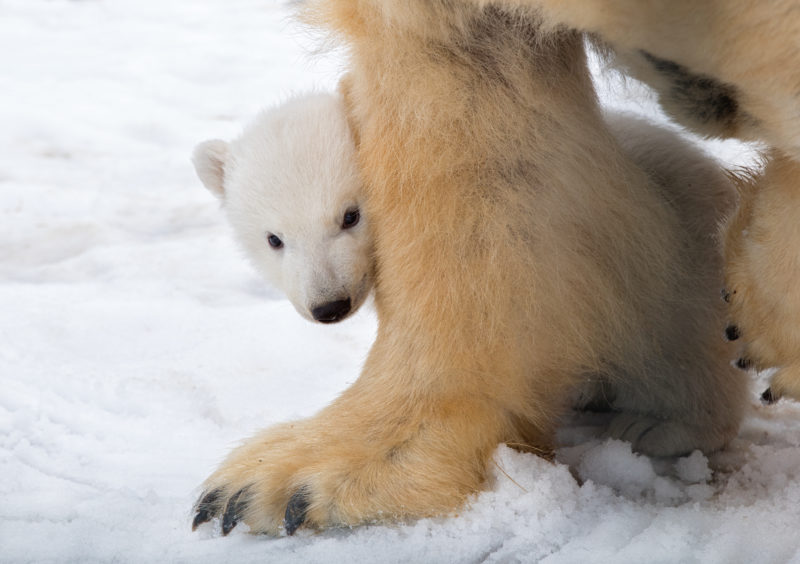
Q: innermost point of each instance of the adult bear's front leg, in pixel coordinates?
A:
(377, 453)
(466, 140)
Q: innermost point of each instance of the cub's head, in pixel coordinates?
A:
(291, 189)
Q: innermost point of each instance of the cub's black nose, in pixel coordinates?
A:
(331, 312)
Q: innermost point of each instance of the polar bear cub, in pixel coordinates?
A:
(291, 190)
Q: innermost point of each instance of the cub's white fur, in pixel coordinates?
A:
(292, 174)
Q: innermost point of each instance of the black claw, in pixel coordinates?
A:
(296, 511)
(732, 332)
(233, 511)
(744, 363)
(206, 507)
(767, 397)
(726, 295)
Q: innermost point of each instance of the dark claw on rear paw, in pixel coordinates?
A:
(744, 363)
(296, 511)
(731, 332)
(767, 397)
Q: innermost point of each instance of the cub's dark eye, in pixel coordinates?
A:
(350, 218)
(274, 241)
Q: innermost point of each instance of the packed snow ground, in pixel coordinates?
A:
(137, 347)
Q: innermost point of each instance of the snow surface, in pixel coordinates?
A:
(137, 346)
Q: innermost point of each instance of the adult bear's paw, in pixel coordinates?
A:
(291, 476)
(333, 471)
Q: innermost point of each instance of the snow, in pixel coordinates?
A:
(137, 346)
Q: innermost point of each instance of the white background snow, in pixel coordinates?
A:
(137, 347)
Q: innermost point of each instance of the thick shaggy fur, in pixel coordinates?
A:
(293, 174)
(727, 68)
(522, 258)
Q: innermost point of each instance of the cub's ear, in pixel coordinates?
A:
(209, 163)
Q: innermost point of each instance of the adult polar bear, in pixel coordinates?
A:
(520, 254)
